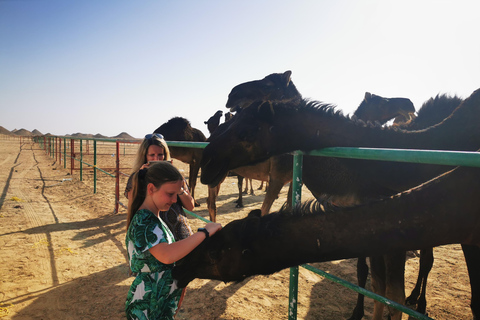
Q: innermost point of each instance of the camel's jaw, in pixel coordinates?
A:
(213, 173)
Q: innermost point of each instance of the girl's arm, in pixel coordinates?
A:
(187, 200)
(170, 253)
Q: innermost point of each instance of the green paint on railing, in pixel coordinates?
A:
(196, 216)
(296, 199)
(441, 157)
(189, 144)
(367, 293)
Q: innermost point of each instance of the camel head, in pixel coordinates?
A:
(275, 87)
(246, 139)
(376, 108)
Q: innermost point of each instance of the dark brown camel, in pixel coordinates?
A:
(376, 108)
(443, 211)
(279, 87)
(272, 170)
(212, 124)
(267, 129)
(180, 129)
(214, 121)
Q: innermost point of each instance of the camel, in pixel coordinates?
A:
(271, 170)
(212, 124)
(180, 129)
(258, 172)
(265, 129)
(376, 108)
(445, 210)
(214, 121)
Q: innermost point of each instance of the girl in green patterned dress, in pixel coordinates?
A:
(152, 250)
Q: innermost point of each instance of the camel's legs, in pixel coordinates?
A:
(212, 201)
(472, 258)
(362, 274)
(192, 180)
(272, 194)
(388, 280)
(240, 195)
(395, 281)
(377, 267)
(418, 295)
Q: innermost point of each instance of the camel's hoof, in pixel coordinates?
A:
(356, 314)
(197, 204)
(239, 205)
(411, 302)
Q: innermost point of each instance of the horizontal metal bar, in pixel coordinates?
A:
(190, 144)
(367, 293)
(442, 157)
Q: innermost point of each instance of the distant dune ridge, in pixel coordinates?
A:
(35, 132)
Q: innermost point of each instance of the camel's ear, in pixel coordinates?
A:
(257, 213)
(368, 96)
(286, 77)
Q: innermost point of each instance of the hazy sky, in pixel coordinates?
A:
(112, 66)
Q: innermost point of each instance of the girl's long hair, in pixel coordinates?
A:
(141, 156)
(157, 174)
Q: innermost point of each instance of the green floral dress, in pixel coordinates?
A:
(154, 293)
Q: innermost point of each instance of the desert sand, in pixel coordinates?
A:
(63, 253)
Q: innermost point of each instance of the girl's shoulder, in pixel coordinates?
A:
(144, 216)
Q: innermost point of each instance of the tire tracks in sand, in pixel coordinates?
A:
(33, 202)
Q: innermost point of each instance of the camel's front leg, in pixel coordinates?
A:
(395, 281)
(472, 257)
(274, 188)
(377, 270)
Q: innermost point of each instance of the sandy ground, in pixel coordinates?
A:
(63, 253)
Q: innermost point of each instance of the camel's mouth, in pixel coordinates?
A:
(213, 174)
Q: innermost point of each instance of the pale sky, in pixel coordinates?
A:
(112, 66)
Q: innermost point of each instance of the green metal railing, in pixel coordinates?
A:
(53, 145)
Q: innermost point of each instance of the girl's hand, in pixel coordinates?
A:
(213, 227)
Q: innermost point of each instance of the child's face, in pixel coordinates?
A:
(166, 195)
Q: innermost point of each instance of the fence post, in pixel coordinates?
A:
(64, 153)
(94, 166)
(296, 198)
(117, 176)
(81, 160)
(72, 155)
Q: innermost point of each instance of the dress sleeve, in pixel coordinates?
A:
(147, 232)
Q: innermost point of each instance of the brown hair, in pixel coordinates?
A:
(158, 174)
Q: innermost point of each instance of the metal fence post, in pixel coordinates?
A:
(296, 198)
